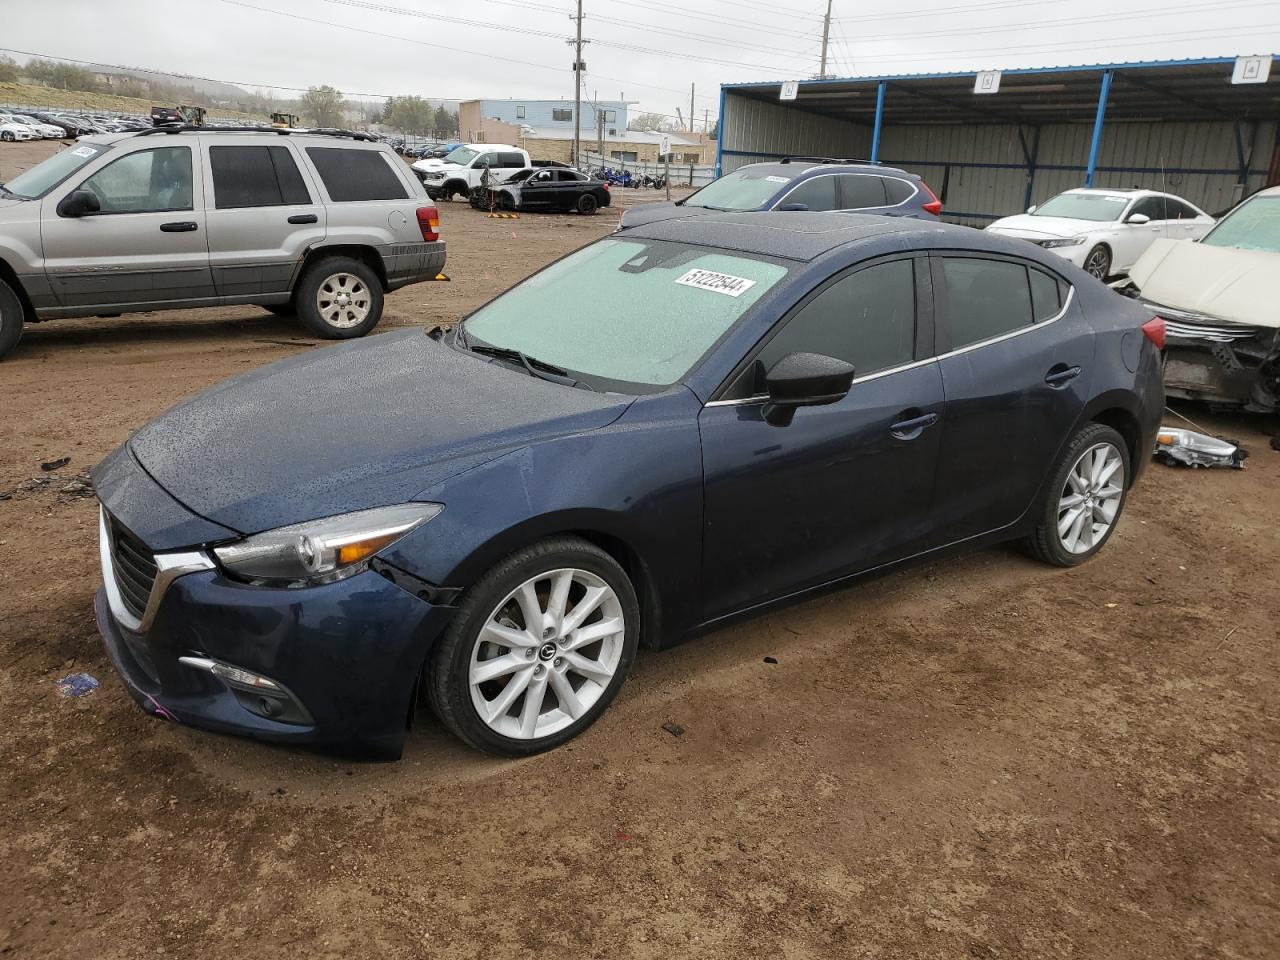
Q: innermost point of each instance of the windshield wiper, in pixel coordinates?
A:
(537, 368)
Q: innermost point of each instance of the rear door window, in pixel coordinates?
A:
(1180, 211)
(818, 193)
(255, 176)
(861, 191)
(351, 175)
(896, 191)
(982, 299)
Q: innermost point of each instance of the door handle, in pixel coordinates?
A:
(1060, 375)
(179, 226)
(304, 218)
(912, 427)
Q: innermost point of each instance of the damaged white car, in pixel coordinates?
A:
(1218, 298)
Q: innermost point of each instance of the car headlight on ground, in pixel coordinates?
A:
(1064, 242)
(435, 176)
(322, 551)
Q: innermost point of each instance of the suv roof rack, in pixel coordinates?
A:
(281, 131)
(845, 160)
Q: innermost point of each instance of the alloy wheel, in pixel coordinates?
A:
(343, 301)
(1098, 264)
(546, 654)
(1091, 498)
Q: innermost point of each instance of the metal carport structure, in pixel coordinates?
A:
(1180, 126)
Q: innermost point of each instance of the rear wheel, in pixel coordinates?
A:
(587, 204)
(1085, 498)
(537, 650)
(1098, 262)
(11, 318)
(339, 298)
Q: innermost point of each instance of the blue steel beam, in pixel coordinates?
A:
(875, 133)
(1097, 128)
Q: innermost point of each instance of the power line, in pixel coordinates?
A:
(952, 10)
(168, 74)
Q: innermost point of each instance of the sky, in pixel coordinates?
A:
(649, 51)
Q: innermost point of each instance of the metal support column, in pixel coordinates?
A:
(1030, 153)
(720, 133)
(1097, 128)
(875, 132)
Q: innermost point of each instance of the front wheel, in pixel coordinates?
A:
(1098, 262)
(339, 298)
(537, 650)
(1085, 498)
(11, 319)
(6, 136)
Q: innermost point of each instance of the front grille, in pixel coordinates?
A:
(134, 567)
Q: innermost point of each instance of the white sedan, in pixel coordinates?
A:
(46, 131)
(1105, 231)
(17, 131)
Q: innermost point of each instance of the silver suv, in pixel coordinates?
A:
(321, 224)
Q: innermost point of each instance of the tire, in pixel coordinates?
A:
(541, 660)
(456, 188)
(6, 136)
(1097, 262)
(587, 204)
(335, 276)
(11, 319)
(1103, 503)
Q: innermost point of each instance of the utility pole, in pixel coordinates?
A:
(826, 31)
(691, 113)
(577, 88)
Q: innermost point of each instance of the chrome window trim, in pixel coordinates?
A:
(849, 173)
(1066, 305)
(169, 567)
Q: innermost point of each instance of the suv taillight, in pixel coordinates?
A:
(1154, 330)
(429, 223)
(934, 206)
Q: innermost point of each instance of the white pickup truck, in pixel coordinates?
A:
(465, 166)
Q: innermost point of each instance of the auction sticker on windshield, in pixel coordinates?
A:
(725, 283)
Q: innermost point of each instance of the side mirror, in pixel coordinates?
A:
(1137, 219)
(804, 380)
(793, 206)
(79, 203)
(1032, 208)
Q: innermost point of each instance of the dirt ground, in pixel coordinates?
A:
(979, 758)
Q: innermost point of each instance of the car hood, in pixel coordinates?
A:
(1045, 228)
(434, 166)
(646, 213)
(360, 425)
(1226, 283)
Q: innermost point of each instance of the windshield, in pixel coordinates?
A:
(1083, 206)
(744, 189)
(1254, 225)
(629, 312)
(43, 177)
(461, 156)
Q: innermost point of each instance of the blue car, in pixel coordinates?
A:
(665, 430)
(801, 184)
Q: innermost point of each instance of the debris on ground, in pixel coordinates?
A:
(55, 464)
(69, 488)
(1175, 446)
(77, 685)
(770, 659)
(674, 729)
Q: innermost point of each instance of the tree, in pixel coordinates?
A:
(446, 121)
(648, 122)
(323, 106)
(9, 72)
(64, 76)
(409, 115)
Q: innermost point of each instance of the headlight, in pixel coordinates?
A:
(1068, 242)
(322, 551)
(435, 176)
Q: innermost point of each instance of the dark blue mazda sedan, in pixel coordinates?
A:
(669, 428)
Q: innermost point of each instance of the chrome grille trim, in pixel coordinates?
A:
(1204, 331)
(126, 574)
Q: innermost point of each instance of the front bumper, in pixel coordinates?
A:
(347, 655)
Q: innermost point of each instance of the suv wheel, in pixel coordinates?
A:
(537, 650)
(339, 298)
(10, 318)
(1086, 496)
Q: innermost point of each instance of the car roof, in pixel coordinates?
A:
(796, 168)
(797, 235)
